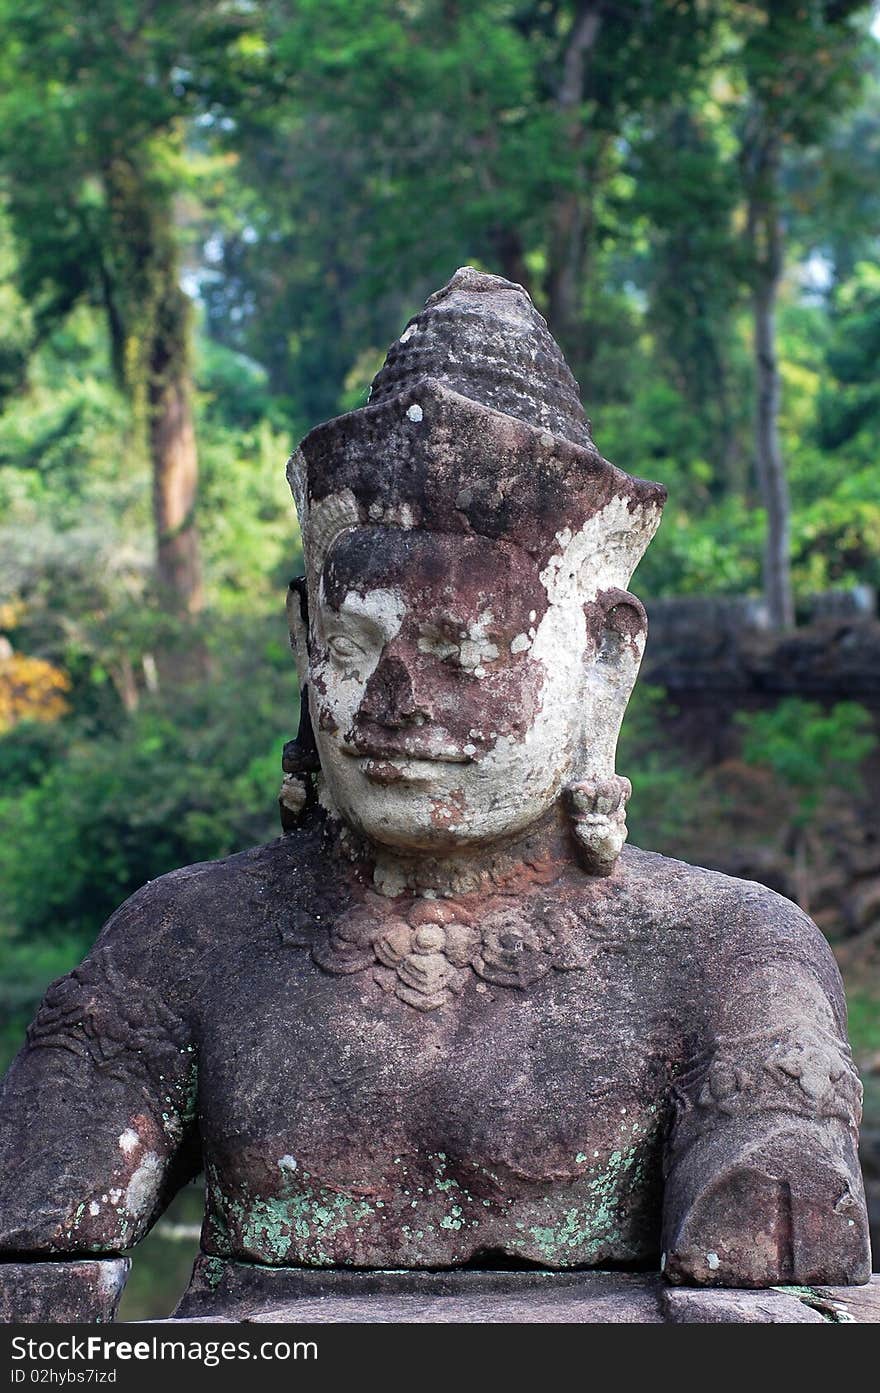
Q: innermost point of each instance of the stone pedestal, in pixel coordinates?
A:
(230, 1291)
(74, 1292)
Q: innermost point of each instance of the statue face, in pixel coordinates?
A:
(446, 691)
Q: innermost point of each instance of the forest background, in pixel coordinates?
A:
(214, 217)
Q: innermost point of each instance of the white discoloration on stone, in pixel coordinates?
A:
(355, 636)
(602, 555)
(472, 648)
(521, 644)
(393, 515)
(431, 640)
(297, 477)
(400, 516)
(415, 412)
(111, 1276)
(408, 333)
(140, 1196)
(547, 440)
(128, 1140)
(115, 1196)
(288, 1163)
(389, 878)
(94, 1208)
(713, 1262)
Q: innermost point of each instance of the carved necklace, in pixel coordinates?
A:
(428, 957)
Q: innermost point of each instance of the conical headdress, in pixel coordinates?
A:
(474, 425)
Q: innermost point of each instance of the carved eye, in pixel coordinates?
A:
(343, 647)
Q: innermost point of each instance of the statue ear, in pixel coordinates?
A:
(597, 799)
(618, 625)
(300, 757)
(622, 637)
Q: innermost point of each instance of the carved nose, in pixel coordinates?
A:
(388, 699)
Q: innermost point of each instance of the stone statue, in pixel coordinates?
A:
(448, 1019)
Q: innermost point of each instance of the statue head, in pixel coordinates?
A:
(465, 639)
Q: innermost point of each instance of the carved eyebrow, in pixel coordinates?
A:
(355, 611)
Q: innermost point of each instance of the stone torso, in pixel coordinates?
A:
(517, 1074)
(384, 1089)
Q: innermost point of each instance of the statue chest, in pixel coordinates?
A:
(343, 1126)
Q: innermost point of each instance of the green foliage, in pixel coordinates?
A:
(26, 968)
(186, 778)
(863, 1025)
(667, 789)
(810, 750)
(849, 405)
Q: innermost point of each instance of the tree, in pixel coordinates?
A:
(93, 131)
(491, 132)
(685, 195)
(798, 60)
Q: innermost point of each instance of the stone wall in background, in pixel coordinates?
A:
(715, 656)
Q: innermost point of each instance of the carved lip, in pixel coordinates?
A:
(396, 754)
(389, 765)
(383, 771)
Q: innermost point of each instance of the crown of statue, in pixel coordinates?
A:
(473, 425)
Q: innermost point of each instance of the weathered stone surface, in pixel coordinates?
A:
(222, 1290)
(723, 649)
(860, 1305)
(778, 1306)
(449, 1018)
(482, 337)
(693, 1306)
(87, 1290)
(261, 1294)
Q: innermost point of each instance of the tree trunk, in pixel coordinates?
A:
(175, 480)
(765, 238)
(149, 320)
(510, 255)
(572, 215)
(770, 464)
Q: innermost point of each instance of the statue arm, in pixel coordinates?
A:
(763, 1184)
(97, 1129)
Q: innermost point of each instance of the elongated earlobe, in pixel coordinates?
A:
(596, 800)
(597, 808)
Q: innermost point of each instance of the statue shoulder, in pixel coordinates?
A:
(737, 926)
(212, 904)
(684, 892)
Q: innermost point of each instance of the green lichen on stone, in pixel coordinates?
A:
(835, 1312)
(592, 1224)
(213, 1271)
(296, 1224)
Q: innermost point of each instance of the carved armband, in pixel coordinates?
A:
(123, 1028)
(802, 1070)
